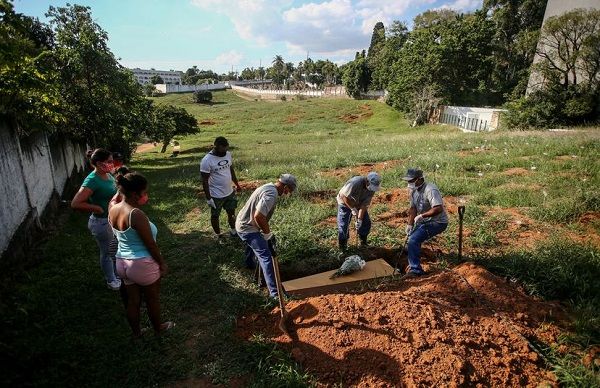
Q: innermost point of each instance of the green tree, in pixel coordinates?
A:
(156, 79)
(433, 17)
(453, 56)
(565, 86)
(517, 25)
(278, 70)
(381, 74)
(170, 121)
(248, 74)
(29, 83)
(99, 95)
(374, 60)
(356, 77)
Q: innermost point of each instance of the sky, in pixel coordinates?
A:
(226, 35)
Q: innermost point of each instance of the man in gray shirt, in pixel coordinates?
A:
(252, 225)
(353, 200)
(426, 217)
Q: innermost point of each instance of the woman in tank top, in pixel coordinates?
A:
(139, 261)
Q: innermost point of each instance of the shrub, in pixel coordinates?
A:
(202, 96)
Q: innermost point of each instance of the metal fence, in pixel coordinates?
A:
(468, 123)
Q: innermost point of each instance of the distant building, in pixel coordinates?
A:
(170, 77)
(557, 8)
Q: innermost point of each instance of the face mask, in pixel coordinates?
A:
(107, 167)
(372, 188)
(143, 199)
(411, 186)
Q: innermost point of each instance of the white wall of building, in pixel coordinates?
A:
(144, 76)
(164, 88)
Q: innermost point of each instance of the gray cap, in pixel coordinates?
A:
(413, 173)
(374, 180)
(288, 180)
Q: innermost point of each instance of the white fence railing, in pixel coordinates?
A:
(278, 92)
(470, 118)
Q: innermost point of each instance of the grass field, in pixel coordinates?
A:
(532, 199)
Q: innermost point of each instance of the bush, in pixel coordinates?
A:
(550, 108)
(202, 96)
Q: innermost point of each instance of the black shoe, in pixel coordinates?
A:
(343, 245)
(363, 242)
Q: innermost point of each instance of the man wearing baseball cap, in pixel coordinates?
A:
(353, 200)
(252, 225)
(426, 218)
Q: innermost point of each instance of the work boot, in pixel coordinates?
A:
(343, 245)
(363, 242)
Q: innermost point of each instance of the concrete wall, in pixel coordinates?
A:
(469, 118)
(32, 171)
(556, 8)
(165, 88)
(14, 204)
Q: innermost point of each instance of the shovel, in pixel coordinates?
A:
(461, 214)
(400, 255)
(284, 315)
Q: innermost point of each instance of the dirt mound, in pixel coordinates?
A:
(460, 327)
(352, 118)
(321, 196)
(292, 119)
(251, 185)
(361, 169)
(516, 171)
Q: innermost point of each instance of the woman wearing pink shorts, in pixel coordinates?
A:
(139, 262)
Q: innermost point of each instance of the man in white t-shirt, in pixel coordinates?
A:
(218, 178)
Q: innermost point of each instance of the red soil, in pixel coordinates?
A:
(352, 118)
(361, 169)
(461, 327)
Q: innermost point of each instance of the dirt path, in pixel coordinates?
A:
(144, 147)
(459, 327)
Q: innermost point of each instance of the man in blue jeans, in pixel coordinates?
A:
(426, 218)
(353, 200)
(252, 225)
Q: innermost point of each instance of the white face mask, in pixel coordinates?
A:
(372, 188)
(411, 186)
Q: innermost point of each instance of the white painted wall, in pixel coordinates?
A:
(31, 169)
(166, 88)
(470, 117)
(14, 203)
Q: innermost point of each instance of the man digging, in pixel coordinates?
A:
(353, 201)
(217, 173)
(426, 217)
(252, 225)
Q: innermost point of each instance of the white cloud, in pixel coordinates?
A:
(229, 58)
(463, 5)
(221, 63)
(330, 27)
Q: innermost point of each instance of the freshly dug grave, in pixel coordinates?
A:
(459, 327)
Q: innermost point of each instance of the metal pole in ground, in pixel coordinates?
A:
(461, 214)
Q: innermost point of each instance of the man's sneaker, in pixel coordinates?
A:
(114, 285)
(232, 233)
(363, 243)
